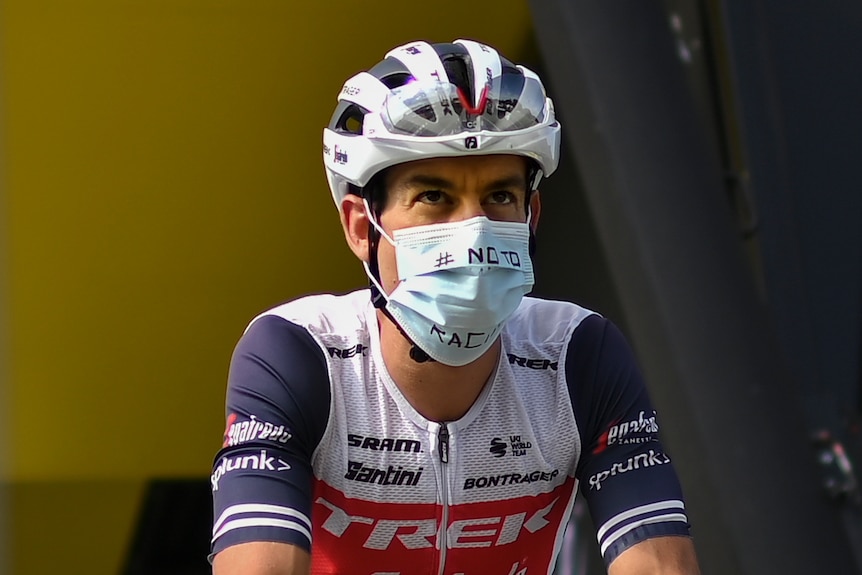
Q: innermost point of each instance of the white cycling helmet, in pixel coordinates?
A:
(432, 101)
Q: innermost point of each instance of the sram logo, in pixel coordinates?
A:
(422, 533)
(384, 444)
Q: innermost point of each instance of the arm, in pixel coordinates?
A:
(277, 410)
(626, 477)
(262, 558)
(672, 555)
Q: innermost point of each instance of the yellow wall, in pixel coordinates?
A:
(163, 185)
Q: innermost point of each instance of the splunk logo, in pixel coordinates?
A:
(258, 462)
(640, 461)
(358, 471)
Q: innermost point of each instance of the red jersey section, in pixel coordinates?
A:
(511, 537)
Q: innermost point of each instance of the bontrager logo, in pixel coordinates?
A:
(640, 430)
(532, 363)
(358, 471)
(385, 444)
(253, 429)
(259, 462)
(643, 460)
(509, 479)
(512, 444)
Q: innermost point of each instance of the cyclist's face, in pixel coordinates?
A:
(442, 190)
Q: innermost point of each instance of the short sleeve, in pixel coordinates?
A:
(277, 410)
(626, 476)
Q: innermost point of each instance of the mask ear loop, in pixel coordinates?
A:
(378, 296)
(372, 270)
(534, 176)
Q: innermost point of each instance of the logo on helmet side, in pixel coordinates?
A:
(340, 155)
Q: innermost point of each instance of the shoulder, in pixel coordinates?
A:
(324, 313)
(546, 321)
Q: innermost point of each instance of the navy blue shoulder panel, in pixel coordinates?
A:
(277, 408)
(626, 477)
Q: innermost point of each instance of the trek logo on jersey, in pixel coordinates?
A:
(515, 569)
(640, 430)
(258, 462)
(349, 352)
(512, 444)
(384, 444)
(640, 461)
(358, 471)
(538, 364)
(422, 533)
(484, 481)
(478, 538)
(238, 432)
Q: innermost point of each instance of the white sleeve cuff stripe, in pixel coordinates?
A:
(643, 509)
(632, 526)
(261, 522)
(260, 508)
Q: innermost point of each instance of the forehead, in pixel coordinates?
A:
(460, 171)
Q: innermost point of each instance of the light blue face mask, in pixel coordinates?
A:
(459, 283)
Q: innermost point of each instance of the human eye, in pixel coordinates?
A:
(432, 197)
(502, 197)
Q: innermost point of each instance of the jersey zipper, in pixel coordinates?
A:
(443, 450)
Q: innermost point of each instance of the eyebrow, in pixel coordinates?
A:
(426, 180)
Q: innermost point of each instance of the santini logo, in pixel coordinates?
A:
(357, 471)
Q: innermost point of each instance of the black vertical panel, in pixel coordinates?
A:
(172, 536)
(653, 184)
(798, 72)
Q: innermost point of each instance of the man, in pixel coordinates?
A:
(440, 421)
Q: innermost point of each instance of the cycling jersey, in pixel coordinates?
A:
(322, 450)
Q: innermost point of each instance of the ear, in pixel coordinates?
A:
(535, 210)
(355, 223)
